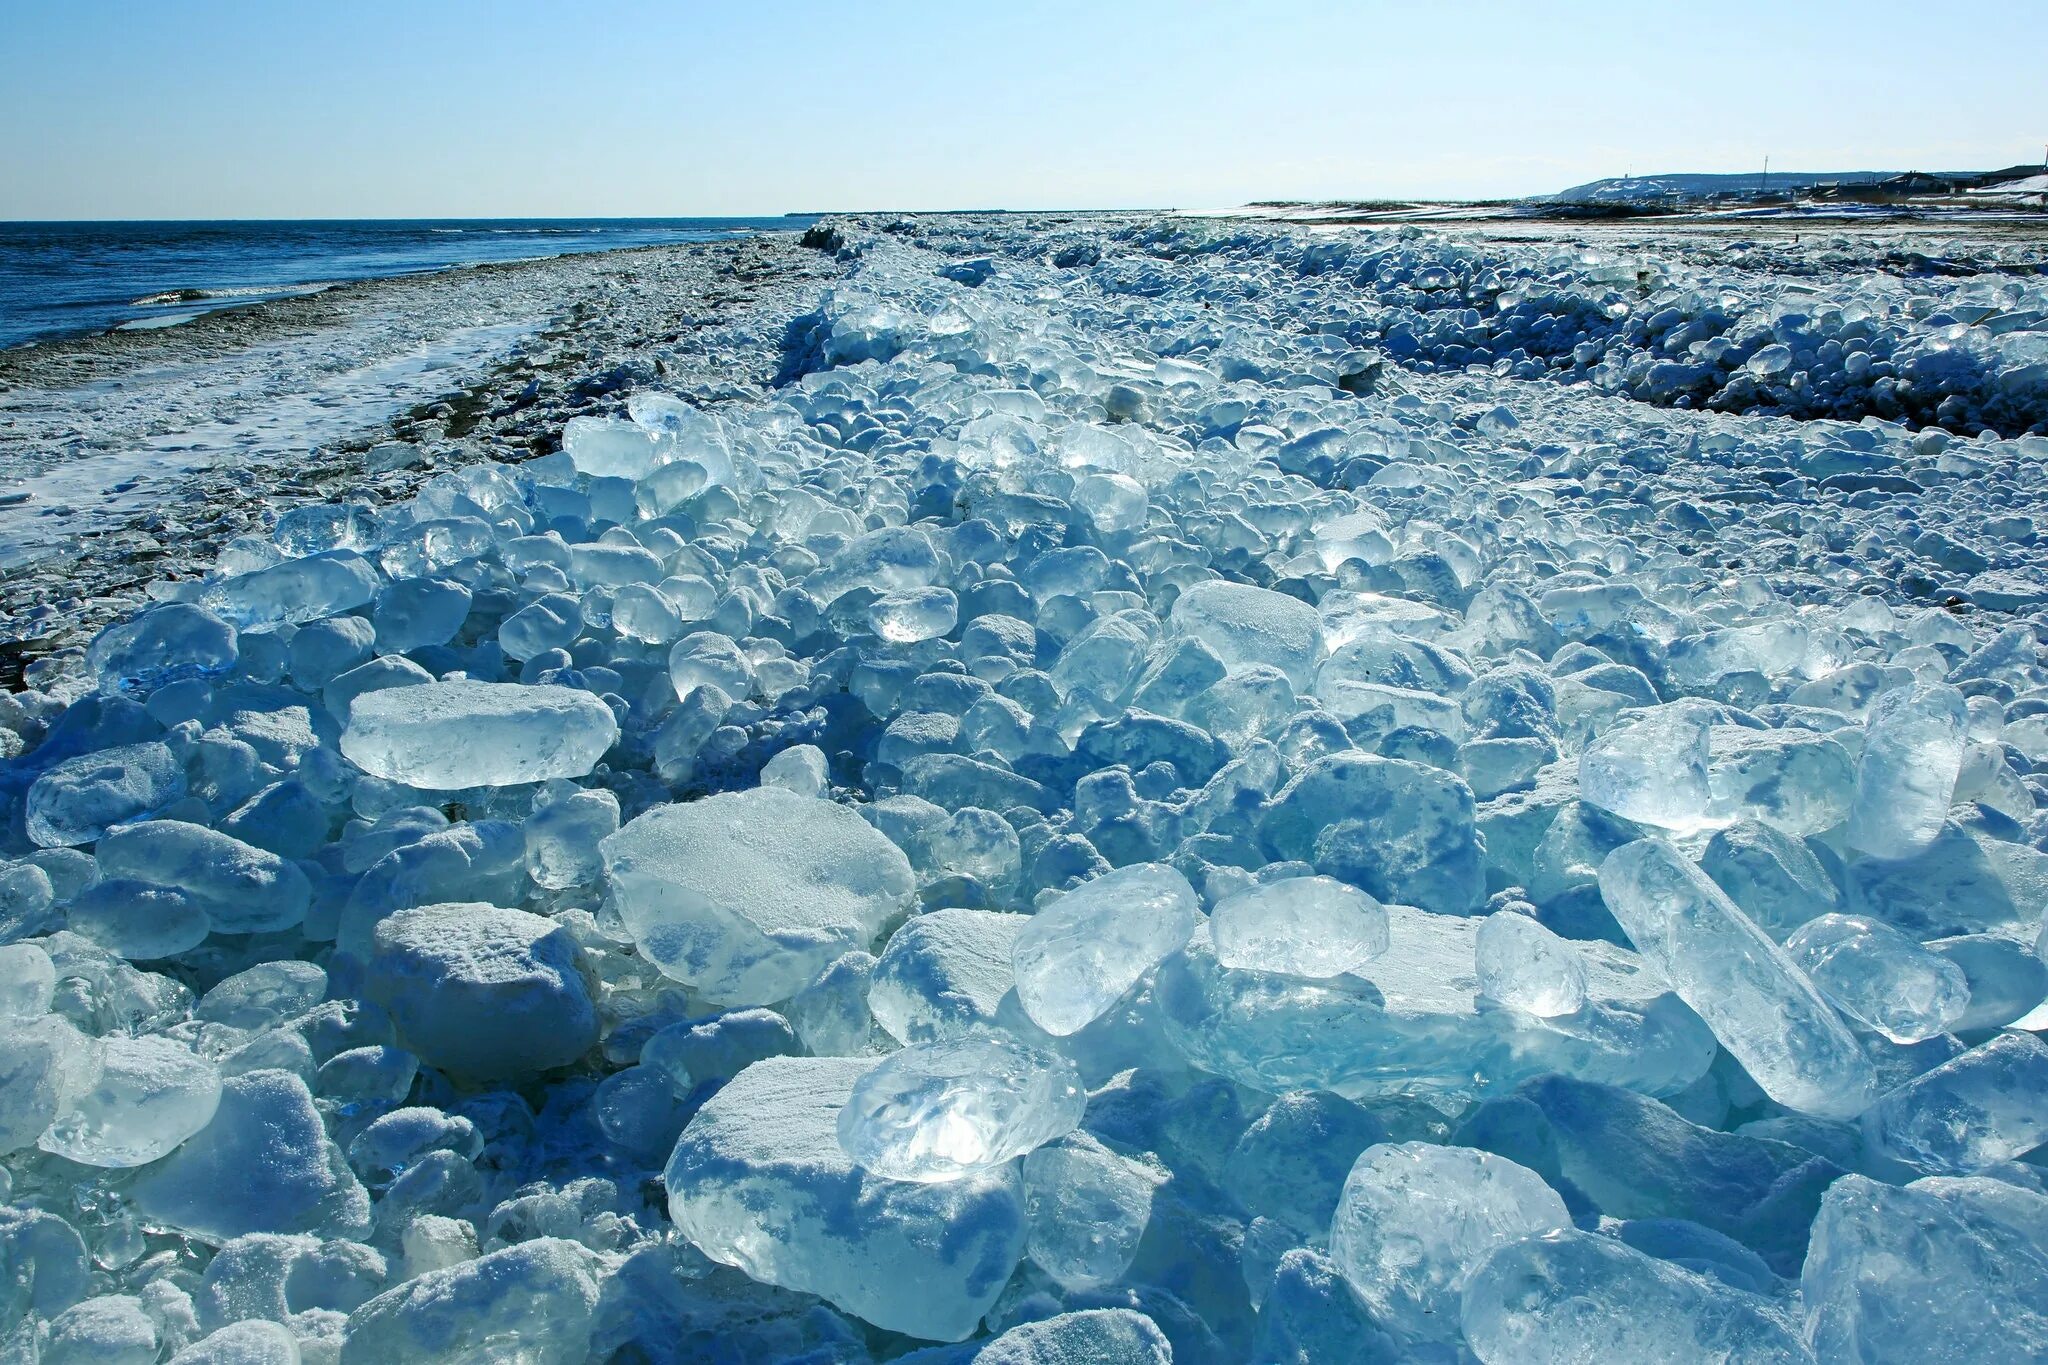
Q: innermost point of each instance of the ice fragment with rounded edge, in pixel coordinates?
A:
(758, 1180)
(938, 1111)
(1758, 1003)
(1313, 927)
(1247, 625)
(1079, 954)
(151, 1094)
(1573, 1298)
(1988, 1105)
(1522, 964)
(1089, 1210)
(914, 614)
(747, 896)
(1416, 1220)
(168, 643)
(483, 993)
(1913, 748)
(80, 799)
(1879, 977)
(447, 736)
(1651, 768)
(264, 1164)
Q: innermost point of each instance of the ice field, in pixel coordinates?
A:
(1167, 791)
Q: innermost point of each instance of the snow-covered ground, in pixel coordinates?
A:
(1094, 788)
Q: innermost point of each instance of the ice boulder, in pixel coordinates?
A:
(1573, 1297)
(163, 644)
(1299, 926)
(1077, 955)
(938, 1111)
(264, 1164)
(533, 1303)
(747, 896)
(1941, 1269)
(759, 1180)
(81, 798)
(1761, 1007)
(1415, 1221)
(447, 736)
(242, 889)
(483, 993)
(1102, 1335)
(1246, 625)
(150, 1095)
(944, 973)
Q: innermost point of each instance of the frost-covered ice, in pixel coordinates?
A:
(1161, 791)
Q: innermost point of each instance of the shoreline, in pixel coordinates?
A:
(144, 451)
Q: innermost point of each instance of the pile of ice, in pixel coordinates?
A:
(1082, 827)
(1902, 336)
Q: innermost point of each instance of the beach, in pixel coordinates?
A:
(142, 452)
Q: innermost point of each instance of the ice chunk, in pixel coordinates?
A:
(563, 837)
(264, 996)
(1291, 1163)
(450, 735)
(1525, 966)
(1415, 1221)
(1084, 950)
(758, 1180)
(1988, 1105)
(44, 1064)
(138, 920)
(1652, 768)
(1912, 753)
(1094, 1334)
(1404, 832)
(533, 1304)
(914, 614)
(746, 897)
(150, 1095)
(43, 1268)
(81, 798)
(264, 1164)
(801, 768)
(1301, 926)
(1089, 1209)
(1246, 625)
(109, 1330)
(254, 1342)
(27, 981)
(608, 448)
(163, 644)
(1573, 1297)
(1941, 1269)
(294, 592)
(938, 1111)
(1879, 977)
(442, 970)
(1756, 1000)
(242, 889)
(944, 973)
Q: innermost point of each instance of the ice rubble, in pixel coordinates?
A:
(1157, 800)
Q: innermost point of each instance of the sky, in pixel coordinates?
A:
(447, 108)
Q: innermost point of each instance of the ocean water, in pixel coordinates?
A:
(69, 279)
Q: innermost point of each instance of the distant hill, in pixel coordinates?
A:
(1644, 188)
(1871, 186)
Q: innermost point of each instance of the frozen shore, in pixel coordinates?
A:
(995, 788)
(131, 457)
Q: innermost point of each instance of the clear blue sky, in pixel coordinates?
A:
(364, 108)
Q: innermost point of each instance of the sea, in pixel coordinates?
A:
(73, 279)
